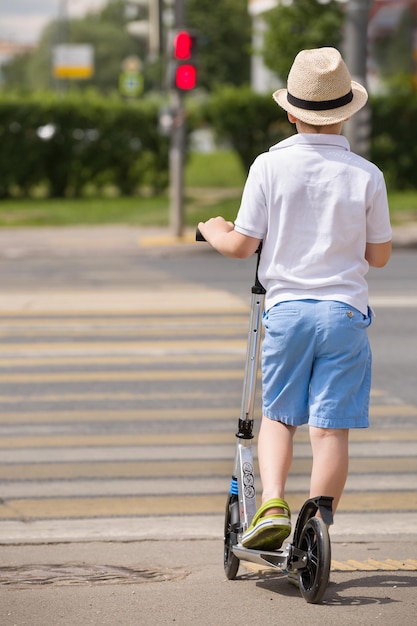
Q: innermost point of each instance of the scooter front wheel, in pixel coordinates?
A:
(231, 529)
(314, 577)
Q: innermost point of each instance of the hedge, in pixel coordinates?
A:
(252, 123)
(394, 139)
(64, 143)
(248, 121)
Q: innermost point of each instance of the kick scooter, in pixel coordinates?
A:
(308, 555)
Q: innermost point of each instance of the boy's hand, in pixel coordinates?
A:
(213, 227)
(223, 237)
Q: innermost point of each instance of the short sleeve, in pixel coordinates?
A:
(252, 217)
(378, 226)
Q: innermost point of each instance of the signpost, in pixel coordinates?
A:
(73, 61)
(131, 77)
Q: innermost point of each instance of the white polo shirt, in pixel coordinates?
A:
(315, 204)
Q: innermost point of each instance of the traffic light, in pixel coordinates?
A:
(185, 71)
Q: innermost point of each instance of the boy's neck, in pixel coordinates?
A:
(331, 129)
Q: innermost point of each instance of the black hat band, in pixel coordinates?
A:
(322, 105)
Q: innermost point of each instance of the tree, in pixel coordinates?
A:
(105, 30)
(17, 73)
(224, 30)
(302, 25)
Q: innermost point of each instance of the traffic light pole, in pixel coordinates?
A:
(176, 165)
(177, 148)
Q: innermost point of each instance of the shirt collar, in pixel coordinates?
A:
(313, 140)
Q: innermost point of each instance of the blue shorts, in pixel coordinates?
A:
(316, 364)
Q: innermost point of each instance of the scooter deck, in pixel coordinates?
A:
(278, 559)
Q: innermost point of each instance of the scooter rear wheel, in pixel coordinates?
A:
(314, 578)
(231, 528)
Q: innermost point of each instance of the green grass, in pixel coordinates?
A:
(217, 169)
(403, 206)
(135, 211)
(66, 212)
(213, 187)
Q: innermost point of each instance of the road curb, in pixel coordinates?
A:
(349, 527)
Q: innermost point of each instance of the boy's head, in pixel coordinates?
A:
(320, 90)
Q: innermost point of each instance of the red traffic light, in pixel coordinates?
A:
(184, 71)
(183, 45)
(185, 77)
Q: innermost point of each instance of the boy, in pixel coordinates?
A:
(322, 215)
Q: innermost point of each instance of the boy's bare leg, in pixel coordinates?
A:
(275, 450)
(330, 462)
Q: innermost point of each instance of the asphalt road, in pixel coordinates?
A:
(120, 384)
(124, 392)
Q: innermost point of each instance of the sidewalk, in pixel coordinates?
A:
(91, 240)
(181, 581)
(124, 240)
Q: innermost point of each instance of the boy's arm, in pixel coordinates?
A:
(222, 236)
(378, 254)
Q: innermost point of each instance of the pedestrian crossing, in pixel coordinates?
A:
(123, 415)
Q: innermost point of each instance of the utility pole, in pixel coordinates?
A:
(358, 129)
(176, 153)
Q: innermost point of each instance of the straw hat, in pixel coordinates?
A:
(320, 90)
